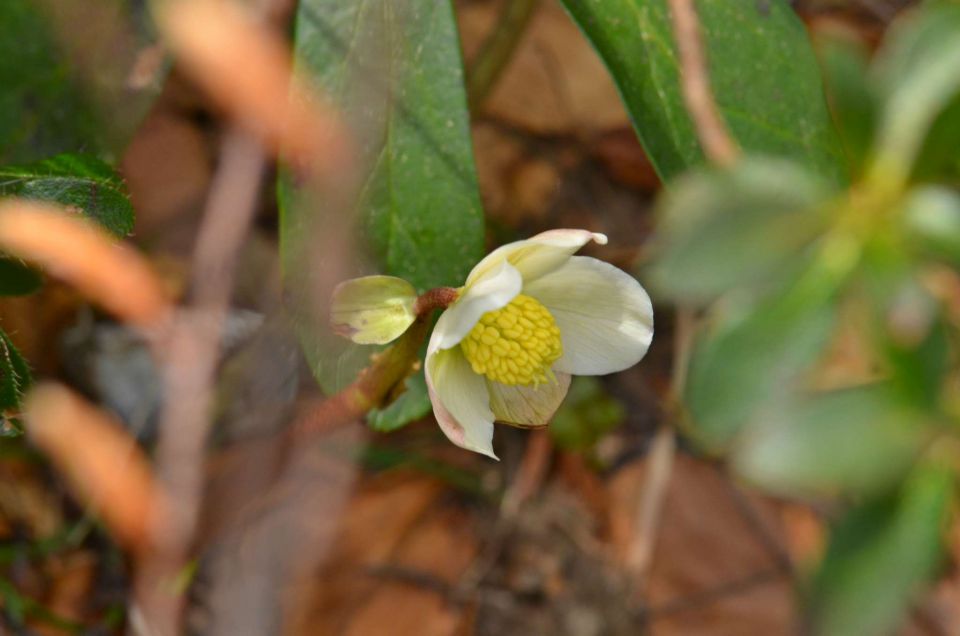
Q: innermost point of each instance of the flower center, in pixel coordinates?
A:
(515, 344)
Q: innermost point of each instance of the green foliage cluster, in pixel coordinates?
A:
(783, 259)
(82, 183)
(51, 144)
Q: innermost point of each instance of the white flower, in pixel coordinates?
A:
(529, 316)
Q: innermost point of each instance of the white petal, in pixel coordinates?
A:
(494, 290)
(460, 401)
(538, 255)
(604, 315)
(526, 406)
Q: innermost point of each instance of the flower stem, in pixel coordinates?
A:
(436, 298)
(373, 384)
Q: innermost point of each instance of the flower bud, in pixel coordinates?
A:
(373, 309)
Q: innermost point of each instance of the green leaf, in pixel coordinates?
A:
(412, 404)
(81, 181)
(931, 216)
(746, 226)
(762, 71)
(919, 369)
(852, 97)
(17, 278)
(41, 109)
(917, 79)
(586, 415)
(394, 70)
(14, 374)
(938, 158)
(70, 86)
(420, 202)
(853, 441)
(750, 360)
(878, 556)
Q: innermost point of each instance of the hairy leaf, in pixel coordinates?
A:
(79, 181)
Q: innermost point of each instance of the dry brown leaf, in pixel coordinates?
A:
(441, 546)
(712, 573)
(392, 521)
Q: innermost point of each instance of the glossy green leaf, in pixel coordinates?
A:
(879, 554)
(394, 70)
(14, 374)
(750, 360)
(394, 67)
(853, 441)
(80, 181)
(762, 70)
(746, 226)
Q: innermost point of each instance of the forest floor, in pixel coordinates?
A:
(401, 533)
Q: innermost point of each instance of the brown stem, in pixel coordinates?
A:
(368, 391)
(189, 353)
(437, 298)
(375, 382)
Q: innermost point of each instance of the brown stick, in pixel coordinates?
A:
(189, 358)
(660, 458)
(714, 137)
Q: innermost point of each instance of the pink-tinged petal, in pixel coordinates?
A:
(460, 401)
(494, 290)
(538, 255)
(526, 406)
(604, 315)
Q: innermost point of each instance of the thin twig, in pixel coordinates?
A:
(714, 137)
(497, 50)
(529, 477)
(720, 149)
(189, 356)
(660, 458)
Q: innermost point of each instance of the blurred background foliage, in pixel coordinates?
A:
(841, 222)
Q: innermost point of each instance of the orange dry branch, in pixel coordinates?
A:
(102, 462)
(213, 39)
(74, 250)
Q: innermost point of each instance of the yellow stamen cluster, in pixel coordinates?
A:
(516, 344)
